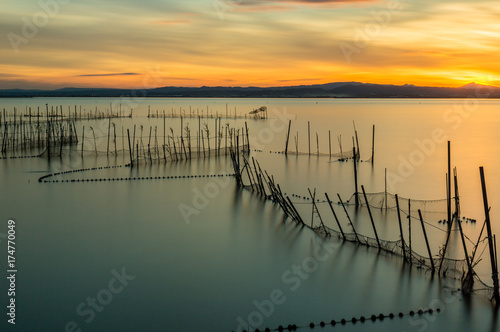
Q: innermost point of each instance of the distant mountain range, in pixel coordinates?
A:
(328, 90)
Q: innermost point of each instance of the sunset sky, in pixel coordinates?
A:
(152, 43)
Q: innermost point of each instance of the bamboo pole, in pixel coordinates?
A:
(349, 218)
(449, 225)
(449, 188)
(83, 138)
(373, 143)
(288, 136)
(355, 178)
(494, 271)
(317, 144)
(130, 149)
(371, 218)
(295, 210)
(409, 229)
(401, 229)
(330, 144)
(426, 240)
(109, 132)
(133, 144)
(385, 189)
(313, 197)
(297, 144)
(335, 215)
(457, 209)
(357, 142)
(309, 137)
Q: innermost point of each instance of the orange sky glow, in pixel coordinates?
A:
(132, 44)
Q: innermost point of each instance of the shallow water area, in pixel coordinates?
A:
(203, 254)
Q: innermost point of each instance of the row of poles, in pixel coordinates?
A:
(257, 179)
(260, 113)
(19, 135)
(57, 112)
(355, 155)
(180, 147)
(467, 281)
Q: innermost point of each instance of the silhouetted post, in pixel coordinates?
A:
(426, 241)
(164, 133)
(109, 132)
(349, 218)
(309, 136)
(449, 224)
(373, 143)
(449, 188)
(385, 189)
(130, 149)
(494, 271)
(248, 141)
(287, 136)
(295, 210)
(357, 144)
(199, 136)
(317, 143)
(468, 279)
(330, 144)
(83, 138)
(401, 229)
(297, 144)
(355, 177)
(409, 229)
(133, 144)
(335, 215)
(370, 214)
(313, 197)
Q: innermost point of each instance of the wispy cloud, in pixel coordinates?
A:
(281, 5)
(172, 22)
(112, 74)
(109, 43)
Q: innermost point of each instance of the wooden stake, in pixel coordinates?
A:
(426, 241)
(370, 214)
(130, 149)
(385, 190)
(355, 177)
(449, 225)
(457, 214)
(317, 144)
(409, 229)
(335, 215)
(83, 138)
(330, 144)
(449, 187)
(494, 271)
(109, 131)
(401, 229)
(287, 137)
(309, 137)
(373, 143)
(349, 218)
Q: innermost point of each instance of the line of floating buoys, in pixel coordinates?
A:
(134, 178)
(472, 221)
(76, 170)
(20, 157)
(308, 198)
(343, 321)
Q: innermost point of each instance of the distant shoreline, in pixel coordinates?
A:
(338, 90)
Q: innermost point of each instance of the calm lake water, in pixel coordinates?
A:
(151, 268)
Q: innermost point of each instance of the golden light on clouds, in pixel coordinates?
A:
(243, 42)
